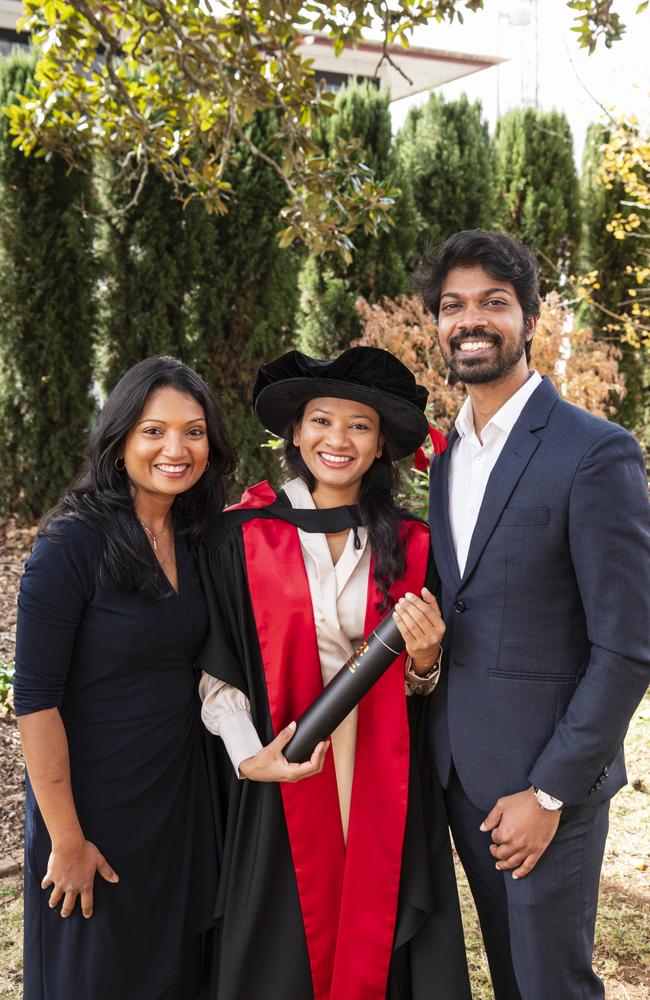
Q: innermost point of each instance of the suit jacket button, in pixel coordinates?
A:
(459, 607)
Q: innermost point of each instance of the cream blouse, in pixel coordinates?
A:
(338, 594)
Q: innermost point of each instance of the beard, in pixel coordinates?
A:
(477, 371)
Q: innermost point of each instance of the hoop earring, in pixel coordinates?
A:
(207, 465)
(119, 468)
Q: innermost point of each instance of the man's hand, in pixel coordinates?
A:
(521, 831)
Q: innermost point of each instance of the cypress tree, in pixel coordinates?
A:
(242, 309)
(151, 261)
(445, 151)
(217, 291)
(537, 194)
(47, 315)
(329, 288)
(607, 258)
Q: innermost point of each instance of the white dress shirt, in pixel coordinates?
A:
(471, 463)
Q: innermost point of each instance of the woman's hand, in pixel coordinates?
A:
(270, 764)
(71, 870)
(422, 628)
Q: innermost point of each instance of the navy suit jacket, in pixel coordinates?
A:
(547, 651)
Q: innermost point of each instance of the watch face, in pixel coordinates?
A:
(547, 801)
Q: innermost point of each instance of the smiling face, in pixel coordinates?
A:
(166, 451)
(481, 327)
(339, 439)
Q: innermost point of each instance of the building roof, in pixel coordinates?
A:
(421, 68)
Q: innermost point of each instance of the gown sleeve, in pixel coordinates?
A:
(57, 584)
(226, 712)
(226, 591)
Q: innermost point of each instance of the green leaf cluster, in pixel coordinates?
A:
(173, 86)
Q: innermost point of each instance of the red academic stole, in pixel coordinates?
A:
(348, 895)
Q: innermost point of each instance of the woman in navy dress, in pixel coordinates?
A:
(120, 846)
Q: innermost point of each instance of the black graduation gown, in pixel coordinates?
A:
(260, 947)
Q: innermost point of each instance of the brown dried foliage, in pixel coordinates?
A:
(585, 371)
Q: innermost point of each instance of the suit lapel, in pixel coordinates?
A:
(439, 508)
(515, 456)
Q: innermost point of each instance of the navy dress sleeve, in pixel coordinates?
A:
(54, 591)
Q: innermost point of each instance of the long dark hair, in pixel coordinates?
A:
(379, 511)
(100, 495)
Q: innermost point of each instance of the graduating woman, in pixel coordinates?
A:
(337, 881)
(120, 848)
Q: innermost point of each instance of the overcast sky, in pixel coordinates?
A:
(618, 77)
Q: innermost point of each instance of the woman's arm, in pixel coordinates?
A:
(226, 713)
(54, 592)
(73, 860)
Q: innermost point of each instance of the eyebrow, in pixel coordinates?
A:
(354, 416)
(157, 420)
(486, 291)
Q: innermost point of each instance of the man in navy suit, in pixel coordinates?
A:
(540, 532)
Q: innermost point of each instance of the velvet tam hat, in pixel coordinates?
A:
(368, 375)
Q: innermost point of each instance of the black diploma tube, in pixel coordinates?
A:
(345, 690)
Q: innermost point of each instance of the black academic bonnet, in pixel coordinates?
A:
(366, 374)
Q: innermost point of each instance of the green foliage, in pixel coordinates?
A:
(244, 303)
(607, 261)
(217, 291)
(537, 193)
(171, 85)
(7, 672)
(445, 152)
(596, 20)
(47, 315)
(330, 286)
(151, 256)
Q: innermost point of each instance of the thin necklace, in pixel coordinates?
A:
(151, 535)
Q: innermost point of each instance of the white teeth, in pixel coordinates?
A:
(475, 345)
(341, 459)
(172, 468)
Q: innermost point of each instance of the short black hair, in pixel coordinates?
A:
(500, 255)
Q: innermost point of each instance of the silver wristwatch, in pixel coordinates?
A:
(548, 802)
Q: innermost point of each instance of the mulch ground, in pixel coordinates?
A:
(14, 546)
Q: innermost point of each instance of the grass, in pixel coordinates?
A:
(11, 938)
(622, 956)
